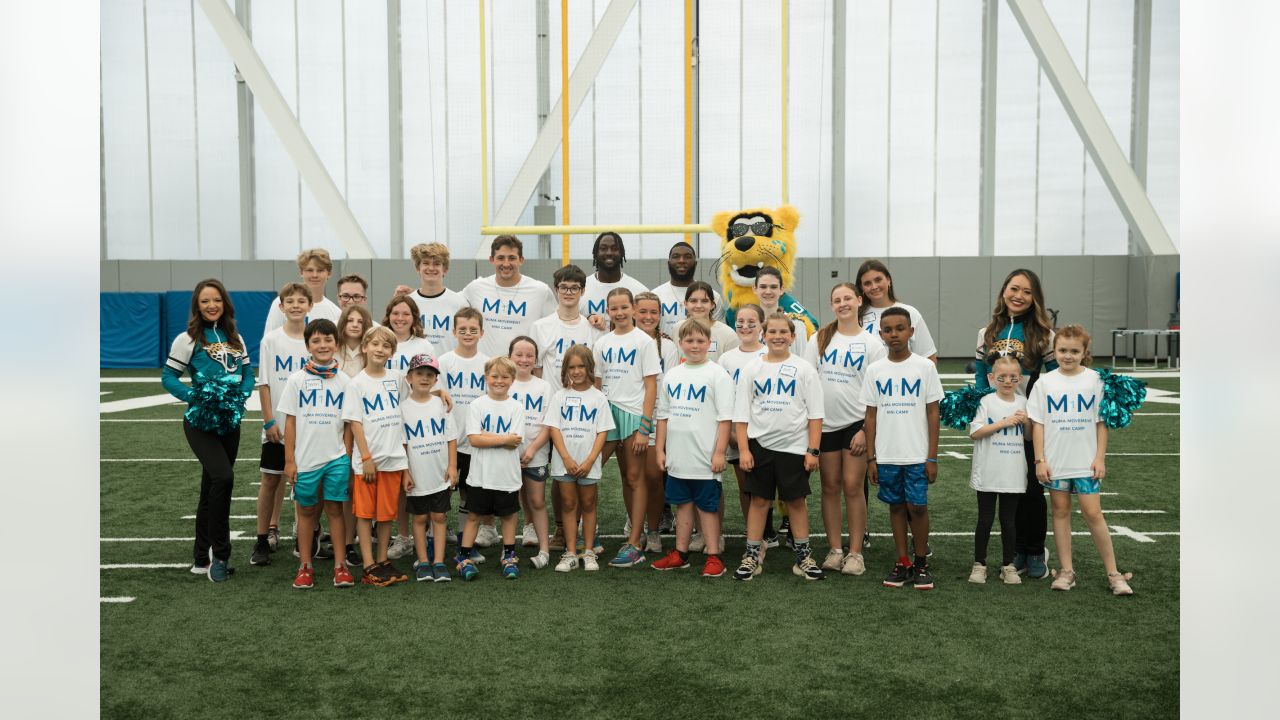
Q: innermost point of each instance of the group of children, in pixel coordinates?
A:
(568, 390)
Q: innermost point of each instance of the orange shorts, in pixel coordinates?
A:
(377, 500)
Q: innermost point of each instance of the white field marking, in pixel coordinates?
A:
(155, 379)
(1156, 395)
(117, 599)
(968, 444)
(229, 517)
(1145, 454)
(177, 419)
(144, 566)
(1142, 414)
(1130, 512)
(103, 392)
(1126, 532)
(157, 460)
(235, 535)
(1144, 375)
(956, 455)
(146, 401)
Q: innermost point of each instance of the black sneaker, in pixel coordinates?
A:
(808, 569)
(324, 551)
(921, 577)
(749, 568)
(771, 540)
(866, 540)
(261, 553)
(353, 556)
(899, 576)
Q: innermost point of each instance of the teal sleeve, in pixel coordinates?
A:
(980, 370)
(172, 381)
(246, 380)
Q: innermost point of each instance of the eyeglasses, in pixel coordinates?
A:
(739, 229)
(569, 289)
(351, 298)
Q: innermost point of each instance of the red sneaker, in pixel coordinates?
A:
(342, 576)
(304, 580)
(714, 567)
(671, 561)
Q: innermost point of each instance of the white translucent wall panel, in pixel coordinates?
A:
(1163, 133)
(423, 117)
(173, 130)
(462, 141)
(1106, 232)
(617, 132)
(959, 154)
(761, 119)
(662, 95)
(513, 97)
(867, 129)
(368, 186)
(277, 188)
(720, 107)
(1017, 105)
(581, 24)
(911, 126)
(1060, 153)
(218, 149)
(809, 125)
(320, 110)
(124, 127)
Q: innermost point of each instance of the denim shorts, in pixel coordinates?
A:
(536, 474)
(578, 480)
(1075, 486)
(903, 484)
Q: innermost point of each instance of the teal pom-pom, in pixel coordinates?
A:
(217, 403)
(1121, 396)
(957, 407)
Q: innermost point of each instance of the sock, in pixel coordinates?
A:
(802, 548)
(464, 551)
(920, 561)
(904, 560)
(684, 555)
(262, 538)
(508, 550)
(753, 549)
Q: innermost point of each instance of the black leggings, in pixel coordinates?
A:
(217, 456)
(1032, 521)
(1009, 503)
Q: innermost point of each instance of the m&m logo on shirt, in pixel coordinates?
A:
(619, 356)
(584, 415)
(311, 397)
(770, 387)
(418, 430)
(848, 359)
(499, 424)
(375, 404)
(1061, 403)
(680, 391)
(455, 380)
(904, 388)
(495, 306)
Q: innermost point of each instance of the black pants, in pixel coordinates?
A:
(217, 456)
(1031, 520)
(987, 502)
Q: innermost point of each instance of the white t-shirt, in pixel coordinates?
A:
(733, 361)
(723, 339)
(595, 294)
(375, 404)
(842, 368)
(921, 343)
(580, 416)
(777, 400)
(279, 356)
(509, 312)
(350, 360)
(428, 429)
(622, 364)
(900, 392)
(534, 395)
(495, 468)
(668, 357)
(671, 299)
(326, 309)
(316, 405)
(999, 464)
(694, 399)
(436, 313)
(801, 332)
(398, 363)
(463, 379)
(554, 337)
(1067, 407)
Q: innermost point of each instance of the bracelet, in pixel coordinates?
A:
(269, 424)
(366, 458)
(932, 460)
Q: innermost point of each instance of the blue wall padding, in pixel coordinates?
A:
(129, 330)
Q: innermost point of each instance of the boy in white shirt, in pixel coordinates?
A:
(901, 393)
(695, 407)
(463, 369)
(316, 465)
(436, 303)
(509, 302)
(314, 267)
(430, 440)
(494, 429)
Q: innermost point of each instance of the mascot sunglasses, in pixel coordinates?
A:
(761, 228)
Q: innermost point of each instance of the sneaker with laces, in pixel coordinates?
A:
(568, 563)
(590, 561)
(305, 579)
(653, 542)
(273, 538)
(422, 572)
(476, 557)
(670, 561)
(1009, 575)
(834, 560)
(372, 575)
(399, 547)
(1063, 580)
(557, 539)
(487, 536)
(921, 577)
(393, 574)
(467, 570)
(540, 560)
(261, 554)
(808, 569)
(628, 555)
(667, 524)
(866, 540)
(978, 574)
(440, 572)
(218, 571)
(771, 541)
(899, 576)
(529, 538)
(713, 567)
(853, 564)
(697, 543)
(342, 577)
(510, 566)
(324, 551)
(353, 556)
(1037, 567)
(747, 569)
(1120, 583)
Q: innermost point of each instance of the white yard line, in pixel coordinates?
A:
(157, 460)
(1110, 454)
(1130, 512)
(956, 455)
(155, 379)
(1126, 532)
(117, 599)
(144, 566)
(229, 517)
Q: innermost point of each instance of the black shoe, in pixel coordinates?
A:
(899, 576)
(261, 553)
(921, 577)
(770, 539)
(353, 556)
(866, 540)
(324, 551)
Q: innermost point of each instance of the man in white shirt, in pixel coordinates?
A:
(608, 255)
(682, 263)
(510, 302)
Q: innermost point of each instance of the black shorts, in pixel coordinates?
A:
(776, 473)
(464, 468)
(272, 458)
(838, 440)
(499, 503)
(436, 502)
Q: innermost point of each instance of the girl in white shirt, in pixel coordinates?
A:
(749, 321)
(875, 285)
(533, 393)
(354, 322)
(999, 472)
(649, 320)
(403, 319)
(700, 304)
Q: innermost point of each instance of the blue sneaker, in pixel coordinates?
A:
(628, 556)
(422, 571)
(440, 572)
(1036, 567)
(218, 571)
(510, 566)
(467, 570)
(1020, 563)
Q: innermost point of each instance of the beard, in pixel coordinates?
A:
(679, 277)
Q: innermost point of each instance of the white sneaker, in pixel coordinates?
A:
(626, 527)
(653, 542)
(590, 562)
(568, 562)
(834, 560)
(399, 547)
(978, 575)
(698, 544)
(540, 560)
(530, 536)
(853, 564)
(487, 536)
(1009, 575)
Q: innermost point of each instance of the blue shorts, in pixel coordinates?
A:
(536, 474)
(1075, 486)
(625, 424)
(704, 494)
(332, 478)
(578, 480)
(903, 484)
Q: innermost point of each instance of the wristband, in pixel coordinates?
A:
(269, 424)
(932, 460)
(366, 458)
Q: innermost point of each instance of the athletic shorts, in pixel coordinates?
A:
(776, 474)
(536, 474)
(578, 480)
(499, 503)
(330, 480)
(378, 500)
(1075, 486)
(704, 494)
(436, 502)
(272, 458)
(838, 440)
(903, 484)
(625, 424)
